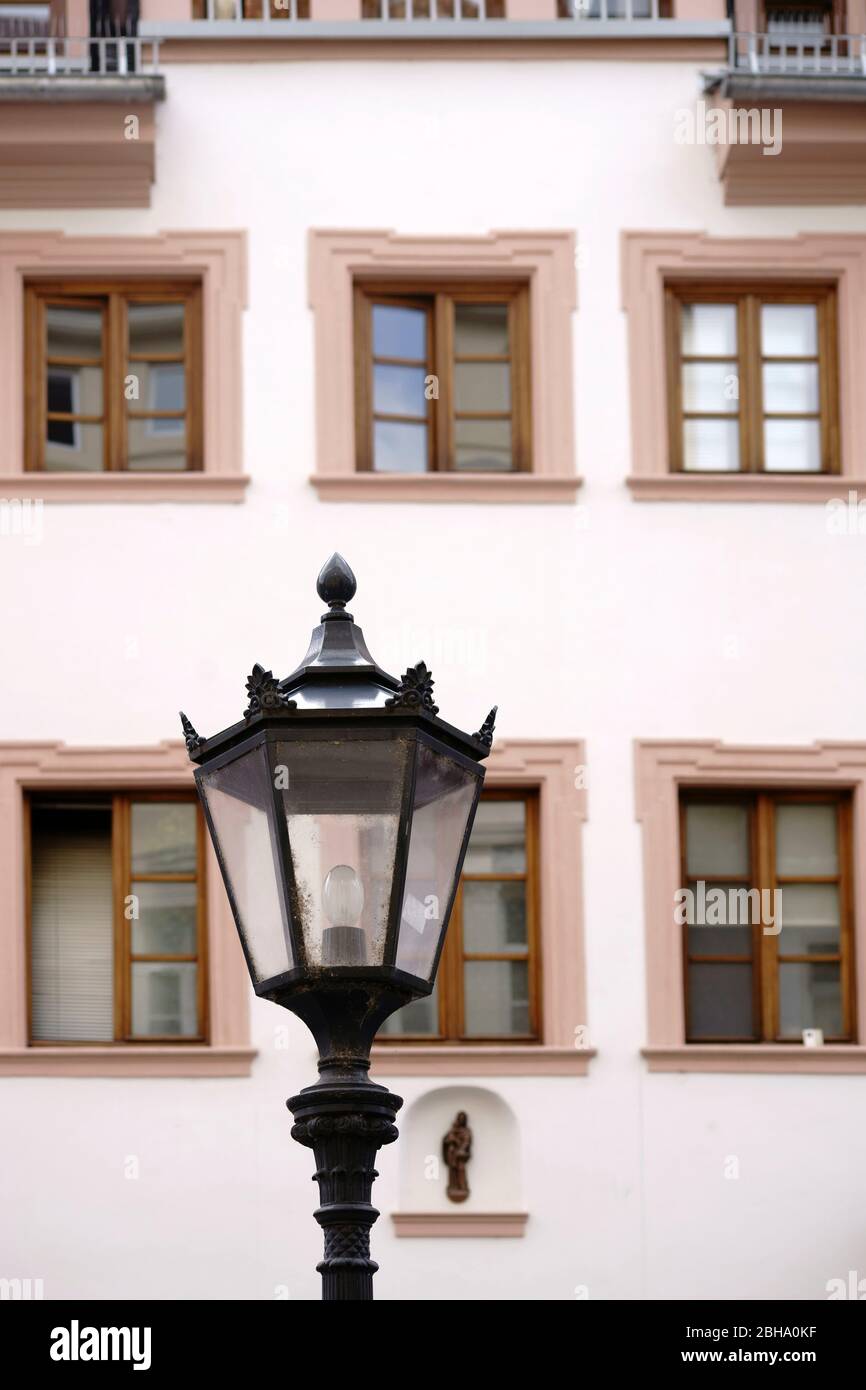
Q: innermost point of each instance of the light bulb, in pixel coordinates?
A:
(343, 896)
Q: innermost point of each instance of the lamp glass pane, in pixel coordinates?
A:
(238, 796)
(445, 794)
(342, 800)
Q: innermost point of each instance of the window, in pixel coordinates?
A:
(114, 376)
(250, 9)
(768, 930)
(797, 21)
(442, 378)
(752, 379)
(117, 919)
(614, 9)
(433, 9)
(487, 987)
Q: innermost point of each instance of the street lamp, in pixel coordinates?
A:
(340, 809)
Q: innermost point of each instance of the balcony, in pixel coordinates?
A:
(789, 108)
(100, 153)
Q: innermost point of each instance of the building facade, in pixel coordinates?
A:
(551, 320)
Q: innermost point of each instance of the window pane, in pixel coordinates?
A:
(497, 844)
(717, 839)
(720, 1001)
(399, 448)
(421, 1016)
(155, 329)
(164, 999)
(482, 387)
(495, 997)
(399, 391)
(73, 447)
(789, 330)
(494, 917)
(792, 446)
(791, 388)
(399, 332)
(810, 996)
(710, 386)
(711, 445)
(71, 332)
(482, 446)
(709, 330)
(156, 446)
(720, 917)
(806, 840)
(161, 386)
(164, 839)
(75, 390)
(481, 330)
(72, 916)
(167, 919)
(810, 918)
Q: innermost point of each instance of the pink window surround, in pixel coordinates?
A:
(651, 258)
(220, 259)
(545, 258)
(661, 769)
(456, 1223)
(557, 770)
(42, 766)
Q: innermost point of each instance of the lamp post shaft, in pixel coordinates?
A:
(345, 1121)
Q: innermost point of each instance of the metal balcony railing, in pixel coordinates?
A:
(45, 55)
(794, 54)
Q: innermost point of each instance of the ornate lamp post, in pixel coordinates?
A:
(340, 808)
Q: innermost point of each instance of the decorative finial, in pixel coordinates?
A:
(485, 733)
(336, 586)
(265, 694)
(415, 692)
(191, 738)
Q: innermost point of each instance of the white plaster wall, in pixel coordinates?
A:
(736, 622)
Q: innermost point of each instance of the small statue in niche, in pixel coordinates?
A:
(457, 1151)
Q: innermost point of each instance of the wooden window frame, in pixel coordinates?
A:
(122, 877)
(112, 296)
(438, 298)
(749, 296)
(766, 956)
(449, 993)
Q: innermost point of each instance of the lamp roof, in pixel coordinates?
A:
(338, 677)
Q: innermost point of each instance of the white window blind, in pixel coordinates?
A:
(72, 925)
